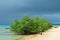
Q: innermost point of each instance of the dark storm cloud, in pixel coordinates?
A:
(30, 5)
(12, 9)
(42, 5)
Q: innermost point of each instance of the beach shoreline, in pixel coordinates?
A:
(51, 34)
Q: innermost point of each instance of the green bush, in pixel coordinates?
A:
(30, 25)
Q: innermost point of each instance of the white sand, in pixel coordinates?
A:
(52, 34)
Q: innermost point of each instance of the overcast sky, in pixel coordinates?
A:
(15, 9)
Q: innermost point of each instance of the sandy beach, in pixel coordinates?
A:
(51, 34)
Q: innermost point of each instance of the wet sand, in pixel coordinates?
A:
(51, 34)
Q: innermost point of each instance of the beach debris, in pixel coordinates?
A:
(55, 27)
(41, 33)
(7, 28)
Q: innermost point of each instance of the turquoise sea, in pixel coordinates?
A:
(56, 24)
(6, 34)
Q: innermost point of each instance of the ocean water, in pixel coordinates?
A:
(6, 34)
(56, 24)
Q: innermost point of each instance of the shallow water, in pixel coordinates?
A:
(6, 34)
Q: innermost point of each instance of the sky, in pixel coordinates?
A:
(15, 9)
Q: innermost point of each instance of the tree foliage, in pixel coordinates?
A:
(30, 25)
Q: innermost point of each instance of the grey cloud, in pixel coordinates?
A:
(12, 9)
